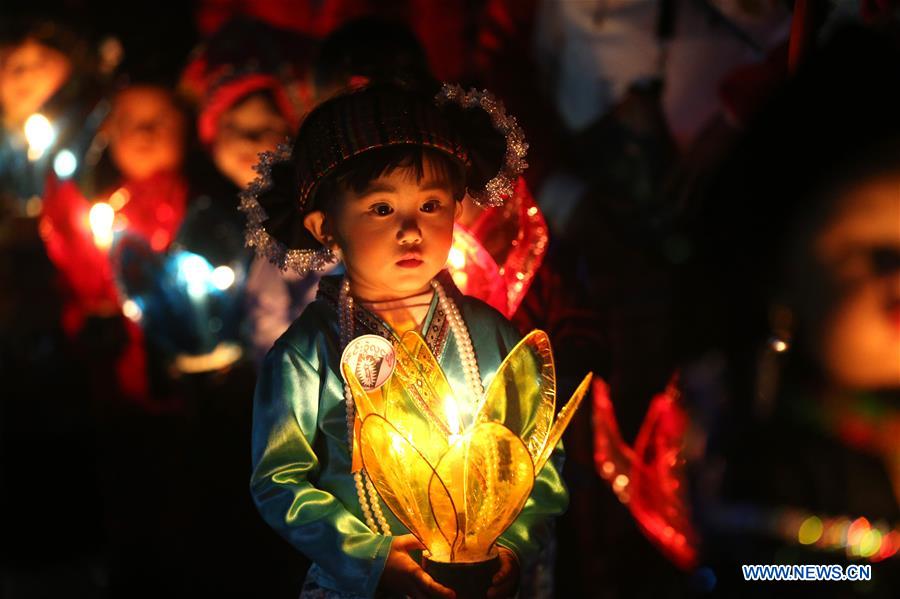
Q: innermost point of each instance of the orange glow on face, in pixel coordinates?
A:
(146, 132)
(29, 76)
(396, 234)
(244, 131)
(851, 293)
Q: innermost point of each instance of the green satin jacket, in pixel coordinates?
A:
(301, 481)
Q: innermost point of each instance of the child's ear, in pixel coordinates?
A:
(316, 223)
(459, 210)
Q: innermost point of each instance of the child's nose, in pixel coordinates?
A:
(409, 231)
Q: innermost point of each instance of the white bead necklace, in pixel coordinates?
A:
(365, 490)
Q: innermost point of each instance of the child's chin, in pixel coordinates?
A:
(408, 280)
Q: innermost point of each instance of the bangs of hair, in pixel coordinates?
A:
(358, 172)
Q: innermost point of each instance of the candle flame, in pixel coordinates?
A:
(101, 219)
(452, 414)
(457, 258)
(40, 135)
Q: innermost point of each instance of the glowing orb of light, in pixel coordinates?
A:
(196, 272)
(65, 164)
(870, 544)
(132, 310)
(40, 134)
(222, 277)
(457, 258)
(810, 531)
(101, 219)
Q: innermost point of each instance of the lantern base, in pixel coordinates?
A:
(469, 580)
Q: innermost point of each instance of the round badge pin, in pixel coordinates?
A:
(371, 358)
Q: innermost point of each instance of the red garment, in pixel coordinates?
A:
(66, 231)
(151, 209)
(316, 18)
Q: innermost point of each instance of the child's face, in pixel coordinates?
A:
(243, 132)
(29, 75)
(394, 236)
(849, 287)
(146, 132)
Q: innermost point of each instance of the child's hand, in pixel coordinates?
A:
(404, 576)
(506, 580)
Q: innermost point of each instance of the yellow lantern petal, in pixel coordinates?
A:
(419, 371)
(403, 478)
(412, 402)
(522, 395)
(562, 421)
(402, 409)
(489, 474)
(457, 481)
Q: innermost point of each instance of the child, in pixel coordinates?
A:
(48, 107)
(139, 183)
(246, 100)
(796, 301)
(376, 176)
(243, 108)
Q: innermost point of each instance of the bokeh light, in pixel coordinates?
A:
(222, 277)
(101, 219)
(810, 531)
(65, 164)
(40, 135)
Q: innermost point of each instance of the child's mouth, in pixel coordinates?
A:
(409, 263)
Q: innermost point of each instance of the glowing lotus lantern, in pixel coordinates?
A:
(456, 471)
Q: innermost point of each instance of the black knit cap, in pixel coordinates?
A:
(470, 128)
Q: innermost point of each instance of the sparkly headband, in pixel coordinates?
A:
(329, 137)
(501, 185)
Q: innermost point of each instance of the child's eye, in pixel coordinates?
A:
(381, 209)
(431, 206)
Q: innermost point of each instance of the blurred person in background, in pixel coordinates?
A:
(133, 186)
(633, 83)
(49, 87)
(789, 301)
(243, 127)
(198, 531)
(244, 107)
(795, 313)
(133, 189)
(48, 108)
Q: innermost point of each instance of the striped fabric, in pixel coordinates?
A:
(365, 119)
